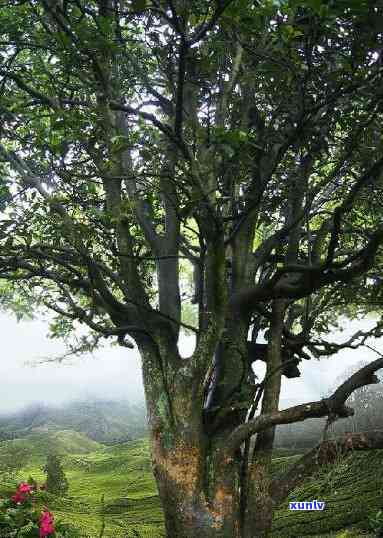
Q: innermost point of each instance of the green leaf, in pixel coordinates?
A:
(138, 5)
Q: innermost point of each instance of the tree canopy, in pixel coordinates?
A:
(177, 129)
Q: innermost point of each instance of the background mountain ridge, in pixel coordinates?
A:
(104, 421)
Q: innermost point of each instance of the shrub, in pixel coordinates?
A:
(20, 517)
(56, 480)
(376, 523)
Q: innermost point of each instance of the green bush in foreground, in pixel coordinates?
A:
(21, 517)
(376, 523)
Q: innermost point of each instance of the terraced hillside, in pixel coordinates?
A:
(352, 489)
(120, 473)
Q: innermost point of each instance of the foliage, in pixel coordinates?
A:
(17, 300)
(56, 482)
(376, 523)
(12, 460)
(67, 142)
(20, 517)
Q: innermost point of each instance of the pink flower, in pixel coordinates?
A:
(25, 488)
(46, 524)
(22, 491)
(18, 498)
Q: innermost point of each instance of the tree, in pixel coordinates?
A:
(239, 140)
(56, 482)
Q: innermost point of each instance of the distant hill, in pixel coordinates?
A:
(107, 422)
(40, 444)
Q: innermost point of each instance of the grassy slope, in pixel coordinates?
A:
(123, 474)
(39, 444)
(352, 489)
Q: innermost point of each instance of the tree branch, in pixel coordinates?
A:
(324, 453)
(367, 178)
(296, 282)
(202, 30)
(333, 405)
(183, 49)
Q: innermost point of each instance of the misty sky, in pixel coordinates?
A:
(114, 372)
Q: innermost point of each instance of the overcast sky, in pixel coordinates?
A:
(115, 373)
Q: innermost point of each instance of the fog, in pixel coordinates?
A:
(115, 372)
(110, 373)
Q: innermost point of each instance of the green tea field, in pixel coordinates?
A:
(120, 473)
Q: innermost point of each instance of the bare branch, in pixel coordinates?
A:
(324, 453)
(334, 405)
(354, 342)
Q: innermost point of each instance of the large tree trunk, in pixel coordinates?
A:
(198, 486)
(189, 511)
